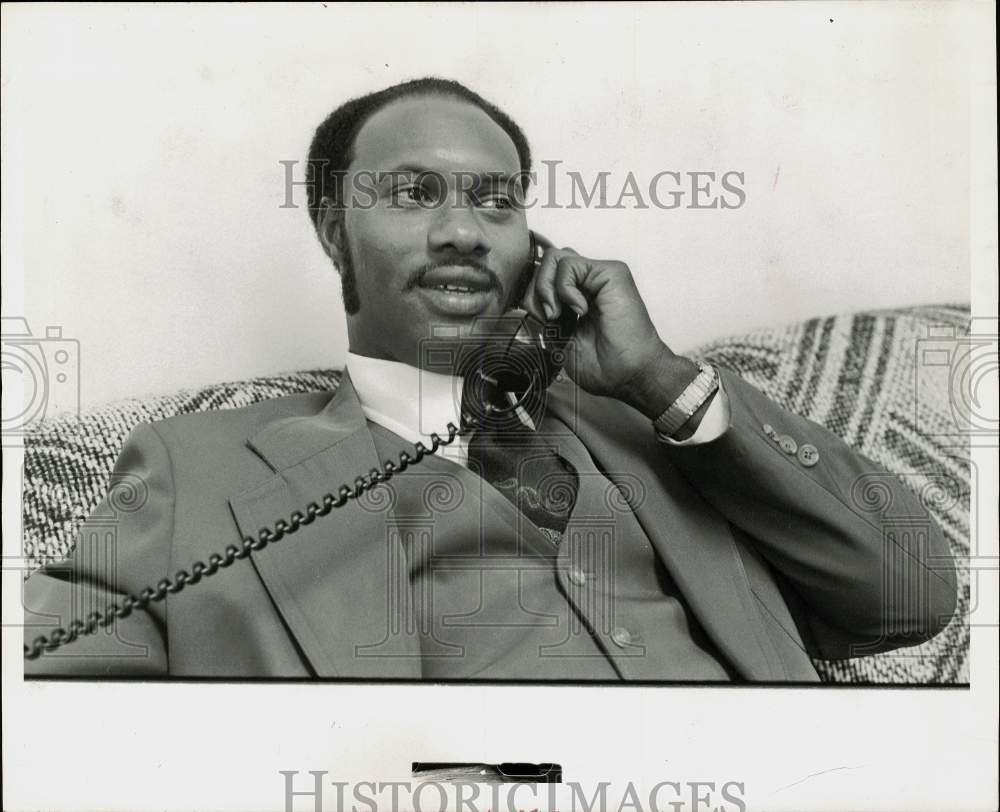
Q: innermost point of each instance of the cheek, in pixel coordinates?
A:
(518, 275)
(386, 252)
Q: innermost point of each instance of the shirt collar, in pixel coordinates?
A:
(408, 401)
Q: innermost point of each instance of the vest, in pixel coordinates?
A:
(494, 599)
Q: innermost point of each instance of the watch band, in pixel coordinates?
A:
(690, 400)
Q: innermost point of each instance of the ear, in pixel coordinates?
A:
(330, 228)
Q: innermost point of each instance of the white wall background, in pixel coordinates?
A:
(143, 189)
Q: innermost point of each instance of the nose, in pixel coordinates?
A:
(457, 229)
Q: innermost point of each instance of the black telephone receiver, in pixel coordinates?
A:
(515, 356)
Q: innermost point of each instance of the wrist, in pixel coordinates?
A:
(688, 430)
(660, 383)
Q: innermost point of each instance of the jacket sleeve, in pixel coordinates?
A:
(123, 547)
(868, 568)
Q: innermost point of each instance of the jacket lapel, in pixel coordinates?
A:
(694, 542)
(340, 583)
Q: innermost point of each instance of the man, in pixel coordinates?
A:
(643, 518)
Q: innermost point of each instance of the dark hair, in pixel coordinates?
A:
(332, 146)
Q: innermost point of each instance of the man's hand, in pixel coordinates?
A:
(618, 350)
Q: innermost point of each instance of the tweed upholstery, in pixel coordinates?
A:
(859, 377)
(856, 374)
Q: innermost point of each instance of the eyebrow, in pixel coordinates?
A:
(417, 169)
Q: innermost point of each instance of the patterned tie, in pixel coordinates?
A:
(510, 455)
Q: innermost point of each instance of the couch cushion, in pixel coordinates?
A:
(858, 375)
(862, 377)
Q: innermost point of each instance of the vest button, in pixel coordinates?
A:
(621, 637)
(577, 576)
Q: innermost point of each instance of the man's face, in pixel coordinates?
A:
(421, 240)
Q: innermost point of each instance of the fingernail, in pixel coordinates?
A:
(550, 311)
(577, 309)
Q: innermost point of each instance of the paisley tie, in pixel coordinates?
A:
(508, 452)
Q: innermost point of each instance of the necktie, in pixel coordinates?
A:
(523, 466)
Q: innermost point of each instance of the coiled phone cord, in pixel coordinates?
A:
(234, 552)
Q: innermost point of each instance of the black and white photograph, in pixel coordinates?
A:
(482, 406)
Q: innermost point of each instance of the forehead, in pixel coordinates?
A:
(436, 133)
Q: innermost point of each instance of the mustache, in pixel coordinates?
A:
(417, 277)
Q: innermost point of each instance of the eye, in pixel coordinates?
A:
(411, 193)
(496, 202)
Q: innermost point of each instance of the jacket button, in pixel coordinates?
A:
(621, 637)
(787, 444)
(577, 576)
(808, 455)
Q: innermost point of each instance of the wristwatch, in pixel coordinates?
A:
(690, 400)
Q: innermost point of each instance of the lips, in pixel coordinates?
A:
(457, 290)
(458, 279)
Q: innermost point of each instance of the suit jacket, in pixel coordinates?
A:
(779, 560)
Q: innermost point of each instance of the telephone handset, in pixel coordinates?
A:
(514, 356)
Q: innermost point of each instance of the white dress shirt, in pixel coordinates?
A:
(413, 403)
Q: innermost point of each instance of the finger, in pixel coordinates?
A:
(570, 278)
(542, 286)
(530, 300)
(542, 240)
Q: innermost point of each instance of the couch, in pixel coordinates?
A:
(859, 375)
